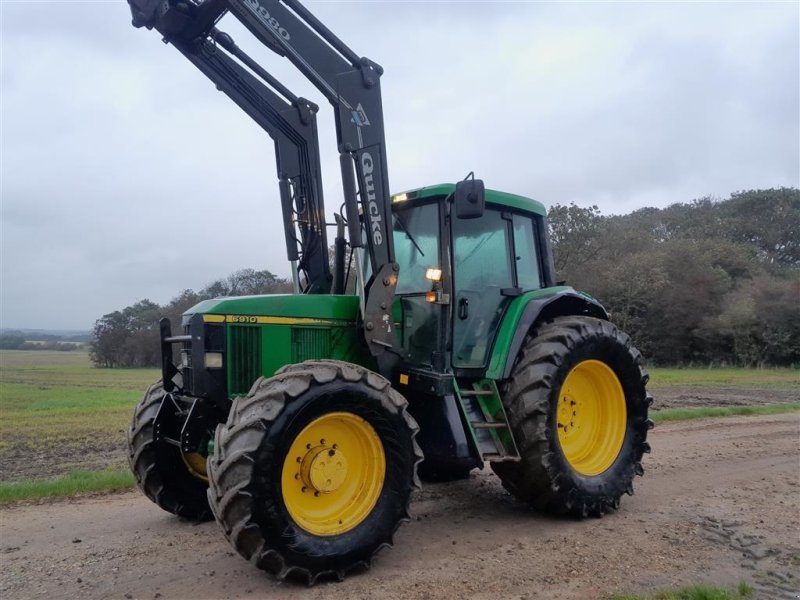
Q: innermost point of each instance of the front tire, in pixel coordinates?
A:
(577, 405)
(162, 472)
(312, 473)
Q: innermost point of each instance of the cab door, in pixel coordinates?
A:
(495, 258)
(482, 271)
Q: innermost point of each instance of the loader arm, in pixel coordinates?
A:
(350, 83)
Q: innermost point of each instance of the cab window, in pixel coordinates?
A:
(526, 254)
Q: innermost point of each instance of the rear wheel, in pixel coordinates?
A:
(173, 480)
(312, 474)
(577, 404)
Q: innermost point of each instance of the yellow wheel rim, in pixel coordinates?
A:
(333, 474)
(591, 417)
(196, 463)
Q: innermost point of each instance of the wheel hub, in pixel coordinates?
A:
(333, 473)
(196, 464)
(568, 413)
(591, 417)
(324, 469)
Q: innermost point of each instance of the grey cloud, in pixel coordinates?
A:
(125, 175)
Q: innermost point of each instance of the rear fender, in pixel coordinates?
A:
(537, 310)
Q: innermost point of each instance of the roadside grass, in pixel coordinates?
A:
(783, 379)
(75, 482)
(697, 592)
(684, 414)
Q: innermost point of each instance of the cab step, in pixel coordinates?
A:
(482, 410)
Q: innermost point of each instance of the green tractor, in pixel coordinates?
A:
(300, 421)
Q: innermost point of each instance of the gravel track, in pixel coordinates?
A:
(720, 502)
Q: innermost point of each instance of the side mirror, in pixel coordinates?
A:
(470, 199)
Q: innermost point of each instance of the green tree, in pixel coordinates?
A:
(574, 234)
(130, 337)
(704, 281)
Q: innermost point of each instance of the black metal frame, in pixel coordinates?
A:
(350, 83)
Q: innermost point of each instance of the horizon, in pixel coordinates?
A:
(56, 330)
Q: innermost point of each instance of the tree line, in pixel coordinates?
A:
(130, 337)
(704, 282)
(13, 340)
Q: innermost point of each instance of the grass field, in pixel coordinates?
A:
(58, 414)
(764, 379)
(53, 398)
(63, 422)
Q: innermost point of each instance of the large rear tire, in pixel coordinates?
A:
(162, 472)
(313, 472)
(577, 405)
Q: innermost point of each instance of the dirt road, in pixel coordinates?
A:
(720, 502)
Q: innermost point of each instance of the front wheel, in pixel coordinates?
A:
(312, 474)
(173, 480)
(577, 405)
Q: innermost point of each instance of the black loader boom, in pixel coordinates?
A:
(350, 83)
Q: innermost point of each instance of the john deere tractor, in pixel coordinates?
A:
(300, 421)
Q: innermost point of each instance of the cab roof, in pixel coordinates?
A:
(492, 196)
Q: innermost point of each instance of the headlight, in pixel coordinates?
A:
(213, 360)
(433, 274)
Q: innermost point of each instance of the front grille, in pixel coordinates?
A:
(244, 357)
(310, 343)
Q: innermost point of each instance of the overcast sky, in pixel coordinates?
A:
(126, 175)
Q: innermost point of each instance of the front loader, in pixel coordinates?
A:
(300, 421)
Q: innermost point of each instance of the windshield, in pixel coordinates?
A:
(416, 245)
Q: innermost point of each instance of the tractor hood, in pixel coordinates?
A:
(278, 307)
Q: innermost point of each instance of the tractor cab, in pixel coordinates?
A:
(457, 273)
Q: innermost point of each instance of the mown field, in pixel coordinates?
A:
(59, 416)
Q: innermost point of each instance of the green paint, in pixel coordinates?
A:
(465, 418)
(492, 411)
(492, 197)
(310, 306)
(508, 327)
(255, 350)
